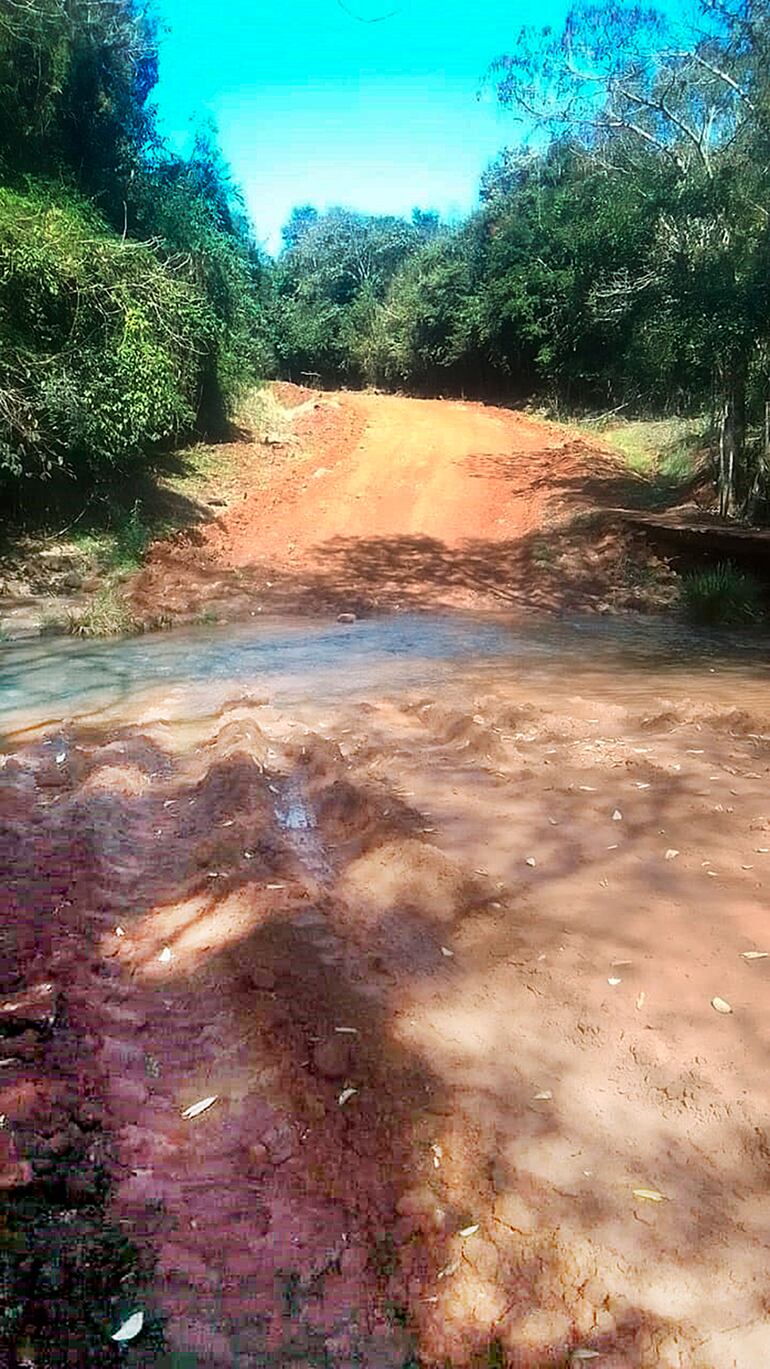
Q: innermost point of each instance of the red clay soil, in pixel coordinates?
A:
(470, 982)
(385, 502)
(449, 979)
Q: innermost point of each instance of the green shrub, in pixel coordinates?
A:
(102, 344)
(132, 538)
(107, 614)
(723, 596)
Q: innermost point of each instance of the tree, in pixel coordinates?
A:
(75, 78)
(330, 280)
(425, 334)
(427, 223)
(649, 98)
(301, 220)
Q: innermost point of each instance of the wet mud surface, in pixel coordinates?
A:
(445, 960)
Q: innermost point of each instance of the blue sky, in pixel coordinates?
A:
(313, 106)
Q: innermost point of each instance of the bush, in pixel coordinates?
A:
(132, 538)
(106, 615)
(102, 345)
(723, 596)
(124, 330)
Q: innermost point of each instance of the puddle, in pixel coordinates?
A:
(296, 818)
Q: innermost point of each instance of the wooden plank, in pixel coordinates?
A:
(705, 533)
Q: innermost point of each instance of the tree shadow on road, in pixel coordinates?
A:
(561, 568)
(399, 1225)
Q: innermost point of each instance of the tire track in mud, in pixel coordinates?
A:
(266, 1211)
(299, 886)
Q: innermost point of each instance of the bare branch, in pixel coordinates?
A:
(726, 78)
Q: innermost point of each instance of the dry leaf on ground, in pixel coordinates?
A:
(197, 1108)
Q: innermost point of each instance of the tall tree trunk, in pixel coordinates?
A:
(758, 494)
(732, 425)
(726, 472)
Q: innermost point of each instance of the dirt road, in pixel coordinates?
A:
(469, 980)
(378, 502)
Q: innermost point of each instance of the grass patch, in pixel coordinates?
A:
(662, 449)
(661, 455)
(196, 471)
(132, 539)
(53, 624)
(107, 614)
(259, 413)
(723, 596)
(543, 553)
(98, 543)
(121, 545)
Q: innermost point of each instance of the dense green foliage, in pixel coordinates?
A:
(101, 340)
(624, 264)
(330, 283)
(132, 295)
(723, 596)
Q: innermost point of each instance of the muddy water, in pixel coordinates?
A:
(49, 682)
(437, 909)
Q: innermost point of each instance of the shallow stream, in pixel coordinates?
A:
(184, 673)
